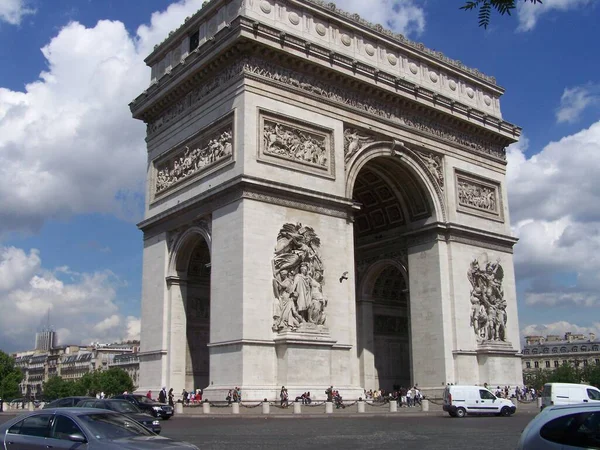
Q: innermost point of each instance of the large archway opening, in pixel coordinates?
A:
(197, 309)
(392, 201)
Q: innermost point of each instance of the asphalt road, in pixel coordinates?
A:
(432, 432)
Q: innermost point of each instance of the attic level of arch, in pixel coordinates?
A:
(246, 38)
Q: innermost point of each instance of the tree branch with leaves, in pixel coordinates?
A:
(486, 7)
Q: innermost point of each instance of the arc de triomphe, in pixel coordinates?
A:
(326, 205)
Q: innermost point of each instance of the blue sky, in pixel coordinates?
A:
(72, 161)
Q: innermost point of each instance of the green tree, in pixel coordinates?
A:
(10, 377)
(487, 6)
(115, 381)
(56, 387)
(591, 375)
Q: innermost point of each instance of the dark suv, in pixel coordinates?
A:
(124, 407)
(65, 402)
(148, 405)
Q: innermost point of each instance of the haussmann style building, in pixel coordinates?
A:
(326, 205)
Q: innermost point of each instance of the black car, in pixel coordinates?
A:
(148, 405)
(66, 402)
(124, 407)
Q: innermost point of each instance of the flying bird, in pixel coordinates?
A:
(344, 276)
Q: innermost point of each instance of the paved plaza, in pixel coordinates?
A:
(345, 429)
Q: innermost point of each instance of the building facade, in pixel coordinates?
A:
(326, 205)
(552, 351)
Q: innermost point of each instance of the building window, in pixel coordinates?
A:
(574, 349)
(555, 363)
(583, 348)
(534, 351)
(536, 365)
(554, 349)
(526, 351)
(547, 364)
(563, 349)
(594, 348)
(194, 41)
(528, 365)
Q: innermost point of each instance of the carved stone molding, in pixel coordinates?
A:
(210, 149)
(296, 144)
(478, 196)
(434, 165)
(488, 307)
(355, 140)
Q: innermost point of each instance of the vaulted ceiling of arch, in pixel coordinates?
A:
(390, 197)
(390, 287)
(199, 265)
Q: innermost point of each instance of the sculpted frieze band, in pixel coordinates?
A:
(194, 158)
(477, 195)
(288, 142)
(328, 91)
(488, 306)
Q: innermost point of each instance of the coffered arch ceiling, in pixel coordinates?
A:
(390, 197)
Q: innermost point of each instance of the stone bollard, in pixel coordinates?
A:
(328, 407)
(393, 406)
(297, 408)
(30, 406)
(424, 405)
(178, 408)
(266, 407)
(235, 408)
(206, 408)
(539, 402)
(361, 406)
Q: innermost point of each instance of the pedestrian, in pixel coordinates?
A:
(229, 397)
(283, 397)
(162, 395)
(149, 394)
(171, 398)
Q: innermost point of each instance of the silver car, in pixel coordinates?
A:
(81, 428)
(565, 427)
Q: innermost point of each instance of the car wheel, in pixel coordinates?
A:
(461, 412)
(505, 411)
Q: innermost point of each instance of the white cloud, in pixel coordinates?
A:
(13, 11)
(529, 13)
(575, 100)
(402, 16)
(559, 328)
(68, 144)
(82, 309)
(555, 211)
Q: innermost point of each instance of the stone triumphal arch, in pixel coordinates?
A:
(326, 205)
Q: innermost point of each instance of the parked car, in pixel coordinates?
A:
(148, 405)
(462, 400)
(568, 394)
(83, 428)
(65, 402)
(565, 427)
(124, 407)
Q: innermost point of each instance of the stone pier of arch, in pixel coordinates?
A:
(326, 206)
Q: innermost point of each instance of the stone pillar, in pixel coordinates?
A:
(424, 405)
(235, 408)
(206, 408)
(366, 344)
(266, 408)
(361, 406)
(328, 407)
(177, 338)
(297, 408)
(393, 406)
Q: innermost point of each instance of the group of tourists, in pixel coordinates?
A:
(163, 396)
(191, 397)
(404, 397)
(523, 393)
(234, 396)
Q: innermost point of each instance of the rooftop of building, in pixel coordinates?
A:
(556, 339)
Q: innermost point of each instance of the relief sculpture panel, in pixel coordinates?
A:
(296, 145)
(299, 302)
(210, 150)
(478, 196)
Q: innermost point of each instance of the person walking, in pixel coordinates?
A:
(171, 398)
(162, 395)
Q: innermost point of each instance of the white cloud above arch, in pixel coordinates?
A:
(529, 13)
(13, 11)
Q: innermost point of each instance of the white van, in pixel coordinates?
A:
(462, 400)
(568, 394)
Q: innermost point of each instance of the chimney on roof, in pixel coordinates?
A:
(592, 337)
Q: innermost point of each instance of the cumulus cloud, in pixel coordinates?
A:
(559, 328)
(68, 144)
(402, 16)
(82, 309)
(13, 11)
(575, 100)
(529, 13)
(555, 211)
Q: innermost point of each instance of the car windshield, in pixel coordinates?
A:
(145, 400)
(106, 426)
(122, 406)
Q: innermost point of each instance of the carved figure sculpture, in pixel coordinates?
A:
(488, 306)
(298, 279)
(354, 141)
(189, 162)
(477, 196)
(282, 140)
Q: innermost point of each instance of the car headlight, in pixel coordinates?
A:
(156, 408)
(156, 422)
